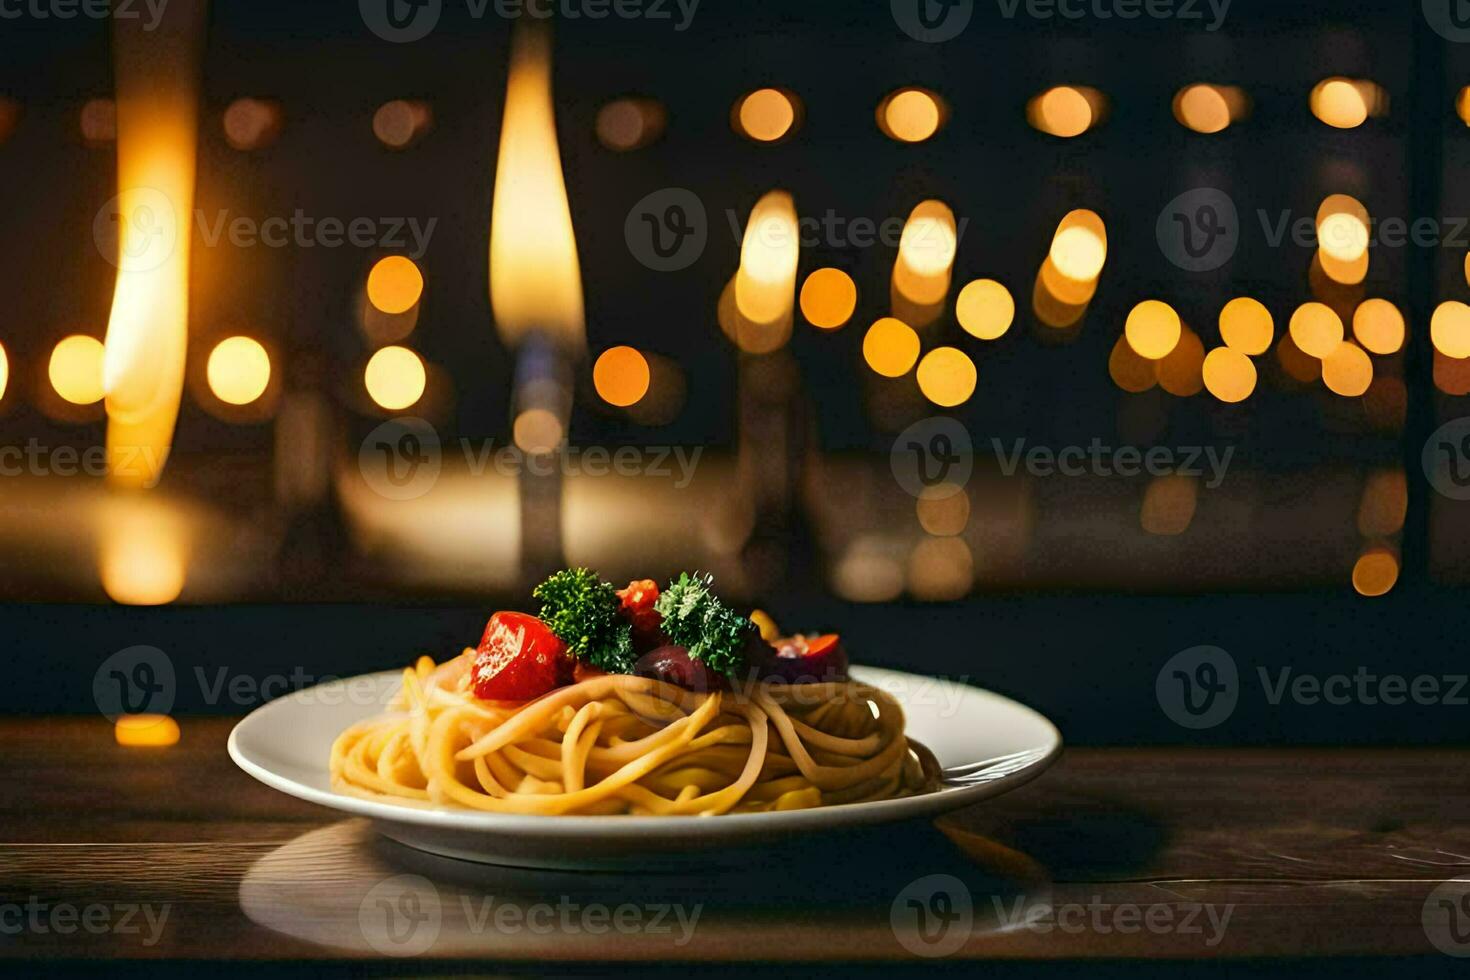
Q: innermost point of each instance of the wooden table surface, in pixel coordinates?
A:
(1138, 854)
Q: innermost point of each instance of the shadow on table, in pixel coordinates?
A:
(347, 888)
(1079, 840)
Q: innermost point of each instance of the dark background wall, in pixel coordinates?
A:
(1088, 656)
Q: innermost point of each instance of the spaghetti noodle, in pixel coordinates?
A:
(625, 744)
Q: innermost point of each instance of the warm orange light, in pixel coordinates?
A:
(1059, 308)
(1343, 273)
(1345, 103)
(4, 371)
(1449, 329)
(157, 94)
(1169, 504)
(1079, 248)
(1153, 329)
(630, 124)
(766, 115)
(538, 431)
(1347, 371)
(868, 571)
(239, 370)
(75, 369)
(765, 285)
(146, 731)
(1299, 366)
(535, 277)
(395, 378)
(1379, 326)
(1247, 326)
(1065, 290)
(395, 284)
(1342, 228)
(1462, 109)
(1451, 376)
(947, 377)
(985, 309)
(99, 121)
(1385, 504)
(922, 272)
(1065, 111)
(749, 336)
(911, 115)
(1376, 572)
(1316, 329)
(621, 376)
(946, 513)
(250, 124)
(1130, 372)
(929, 239)
(828, 298)
(1229, 375)
(400, 123)
(1202, 108)
(941, 570)
(1181, 371)
(143, 552)
(891, 347)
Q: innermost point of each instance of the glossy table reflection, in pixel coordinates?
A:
(1116, 854)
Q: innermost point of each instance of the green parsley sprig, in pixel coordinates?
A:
(696, 619)
(582, 610)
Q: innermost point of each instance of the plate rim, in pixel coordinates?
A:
(622, 827)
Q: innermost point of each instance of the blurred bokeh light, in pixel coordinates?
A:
(395, 378)
(75, 369)
(239, 370)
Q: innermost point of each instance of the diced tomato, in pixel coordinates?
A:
(519, 658)
(637, 606)
(821, 646)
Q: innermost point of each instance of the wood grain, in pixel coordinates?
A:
(1117, 853)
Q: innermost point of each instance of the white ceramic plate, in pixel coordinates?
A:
(286, 744)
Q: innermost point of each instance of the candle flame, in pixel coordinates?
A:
(535, 278)
(757, 306)
(147, 332)
(922, 272)
(765, 286)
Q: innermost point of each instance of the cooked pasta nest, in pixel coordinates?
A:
(621, 744)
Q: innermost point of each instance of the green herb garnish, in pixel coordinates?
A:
(696, 619)
(582, 610)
